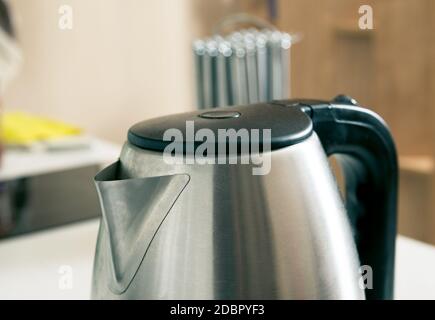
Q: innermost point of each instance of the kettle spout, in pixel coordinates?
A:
(133, 210)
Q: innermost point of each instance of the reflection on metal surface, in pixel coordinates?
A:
(133, 210)
(232, 235)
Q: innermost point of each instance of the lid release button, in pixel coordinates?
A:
(220, 115)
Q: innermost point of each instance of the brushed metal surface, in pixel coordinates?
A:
(232, 235)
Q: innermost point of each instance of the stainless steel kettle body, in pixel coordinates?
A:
(208, 231)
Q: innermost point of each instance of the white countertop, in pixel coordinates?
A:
(25, 163)
(31, 266)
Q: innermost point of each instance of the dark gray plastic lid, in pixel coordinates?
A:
(289, 125)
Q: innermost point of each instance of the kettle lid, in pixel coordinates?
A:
(287, 125)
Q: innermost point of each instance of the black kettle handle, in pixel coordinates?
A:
(367, 154)
(363, 145)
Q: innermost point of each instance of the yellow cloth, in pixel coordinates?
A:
(19, 128)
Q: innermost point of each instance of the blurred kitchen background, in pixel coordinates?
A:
(128, 60)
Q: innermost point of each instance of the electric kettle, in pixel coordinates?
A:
(241, 203)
